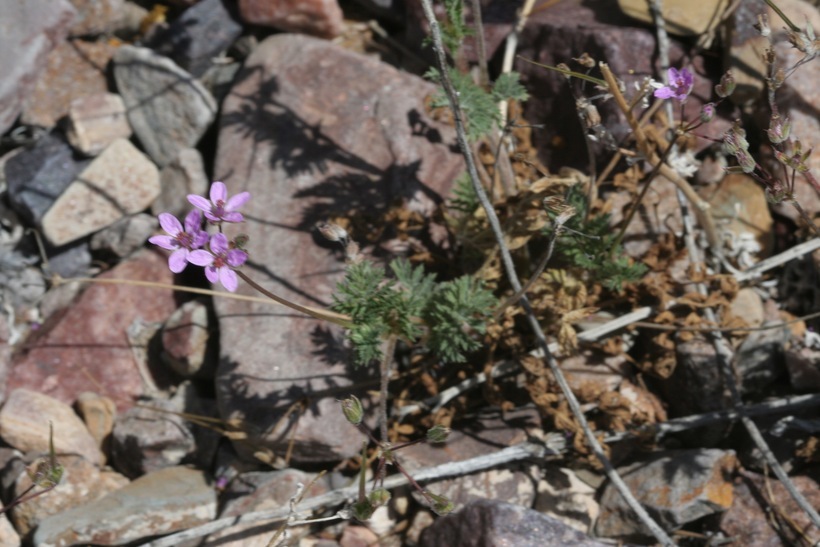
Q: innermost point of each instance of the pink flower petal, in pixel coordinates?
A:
(237, 201)
(166, 242)
(177, 261)
(199, 202)
(211, 274)
(232, 216)
(200, 239)
(219, 244)
(228, 279)
(200, 258)
(193, 221)
(236, 258)
(219, 192)
(664, 93)
(170, 223)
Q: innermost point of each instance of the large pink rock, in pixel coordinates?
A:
(313, 131)
(28, 31)
(74, 69)
(85, 347)
(321, 18)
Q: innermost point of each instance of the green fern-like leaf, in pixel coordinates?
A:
(508, 87)
(478, 106)
(458, 310)
(595, 254)
(464, 199)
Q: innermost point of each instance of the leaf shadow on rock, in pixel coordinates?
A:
(301, 147)
(271, 417)
(353, 186)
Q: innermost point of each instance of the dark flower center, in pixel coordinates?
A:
(184, 239)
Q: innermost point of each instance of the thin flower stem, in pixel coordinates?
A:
(333, 317)
(384, 369)
(641, 196)
(317, 313)
(512, 276)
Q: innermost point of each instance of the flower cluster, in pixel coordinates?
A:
(680, 85)
(189, 243)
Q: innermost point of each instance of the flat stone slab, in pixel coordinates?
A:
(121, 181)
(167, 107)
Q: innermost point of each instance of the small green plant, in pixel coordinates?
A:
(367, 503)
(591, 245)
(446, 315)
(46, 474)
(479, 106)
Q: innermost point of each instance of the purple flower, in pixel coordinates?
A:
(220, 208)
(680, 85)
(219, 263)
(182, 241)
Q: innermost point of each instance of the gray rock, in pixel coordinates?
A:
(37, 176)
(145, 440)
(167, 108)
(184, 175)
(8, 535)
(489, 523)
(563, 495)
(120, 181)
(750, 520)
(12, 465)
(201, 33)
(24, 424)
(760, 360)
(321, 18)
(696, 386)
(125, 236)
(95, 121)
(72, 259)
(73, 69)
(28, 31)
(98, 414)
(261, 491)
(81, 482)
(675, 487)
(96, 17)
(159, 503)
(803, 365)
(489, 429)
(336, 133)
(187, 345)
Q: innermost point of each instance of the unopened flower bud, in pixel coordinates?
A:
(353, 410)
(745, 160)
(241, 241)
(726, 86)
(707, 113)
(378, 497)
(441, 504)
(438, 434)
(779, 129)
